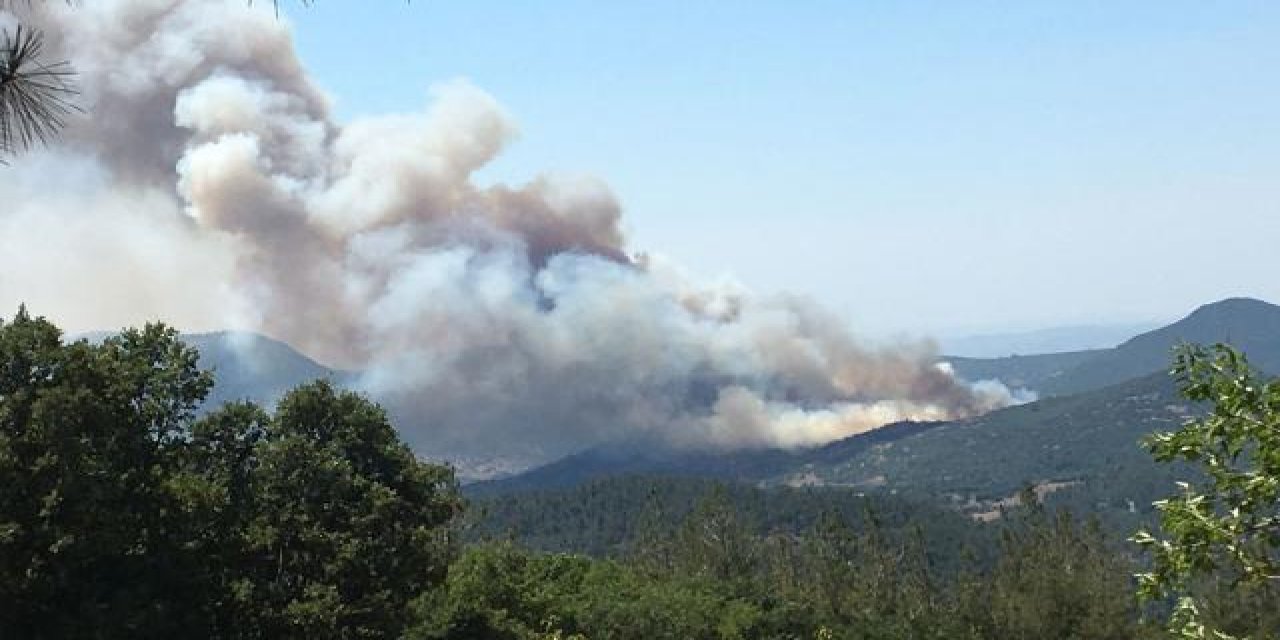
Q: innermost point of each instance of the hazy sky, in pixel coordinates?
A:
(919, 167)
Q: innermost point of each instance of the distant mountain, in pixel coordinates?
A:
(1082, 451)
(1097, 405)
(641, 458)
(1252, 325)
(249, 366)
(1036, 372)
(1051, 340)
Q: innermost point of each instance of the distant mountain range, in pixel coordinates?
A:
(1080, 443)
(1089, 442)
(1084, 432)
(1251, 325)
(1050, 340)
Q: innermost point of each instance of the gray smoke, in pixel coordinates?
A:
(210, 187)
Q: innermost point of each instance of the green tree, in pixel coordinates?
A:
(1058, 578)
(1225, 533)
(87, 434)
(714, 543)
(123, 514)
(346, 526)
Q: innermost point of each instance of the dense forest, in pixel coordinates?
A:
(128, 512)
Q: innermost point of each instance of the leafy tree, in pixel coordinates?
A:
(87, 435)
(346, 526)
(122, 514)
(1225, 534)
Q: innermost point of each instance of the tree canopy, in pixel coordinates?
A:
(1225, 532)
(124, 514)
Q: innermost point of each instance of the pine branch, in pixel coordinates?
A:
(35, 96)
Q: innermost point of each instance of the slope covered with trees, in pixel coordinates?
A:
(711, 576)
(1092, 438)
(1250, 325)
(1083, 450)
(1253, 326)
(610, 516)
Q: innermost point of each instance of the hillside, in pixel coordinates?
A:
(1251, 325)
(654, 459)
(1084, 449)
(608, 516)
(1035, 372)
(1087, 443)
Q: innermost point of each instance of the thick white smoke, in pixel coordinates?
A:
(210, 187)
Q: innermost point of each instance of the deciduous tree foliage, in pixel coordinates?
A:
(1225, 532)
(123, 514)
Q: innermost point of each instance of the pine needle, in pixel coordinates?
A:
(35, 96)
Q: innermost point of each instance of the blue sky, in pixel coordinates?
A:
(918, 167)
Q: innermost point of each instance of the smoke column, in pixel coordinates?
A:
(209, 186)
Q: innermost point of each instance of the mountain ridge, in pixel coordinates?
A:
(1082, 439)
(1250, 324)
(1059, 339)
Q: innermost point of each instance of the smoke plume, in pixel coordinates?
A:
(210, 186)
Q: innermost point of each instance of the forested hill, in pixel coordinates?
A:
(1083, 449)
(653, 458)
(1036, 371)
(1088, 443)
(610, 516)
(1251, 325)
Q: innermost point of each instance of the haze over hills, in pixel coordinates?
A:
(1084, 446)
(1090, 439)
(1087, 442)
(1050, 340)
(250, 366)
(1034, 372)
(1249, 324)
